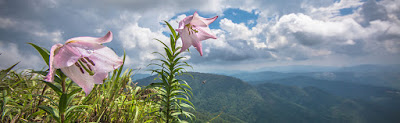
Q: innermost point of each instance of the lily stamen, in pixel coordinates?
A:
(86, 69)
(190, 29)
(90, 61)
(84, 61)
(80, 68)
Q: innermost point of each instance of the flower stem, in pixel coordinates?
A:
(63, 84)
(63, 92)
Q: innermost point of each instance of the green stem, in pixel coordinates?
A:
(63, 85)
(168, 107)
(171, 77)
(63, 92)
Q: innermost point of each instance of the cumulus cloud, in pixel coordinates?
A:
(140, 43)
(284, 31)
(315, 33)
(10, 54)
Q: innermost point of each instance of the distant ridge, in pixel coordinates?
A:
(238, 101)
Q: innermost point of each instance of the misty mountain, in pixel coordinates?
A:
(299, 69)
(376, 75)
(138, 76)
(371, 68)
(338, 88)
(228, 99)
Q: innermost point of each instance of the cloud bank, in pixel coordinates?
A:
(251, 34)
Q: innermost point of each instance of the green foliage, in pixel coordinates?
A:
(120, 100)
(25, 97)
(174, 93)
(18, 102)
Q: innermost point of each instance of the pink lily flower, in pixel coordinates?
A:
(84, 60)
(194, 29)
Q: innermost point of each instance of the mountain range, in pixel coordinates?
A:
(288, 97)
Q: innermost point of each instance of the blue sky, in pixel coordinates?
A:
(251, 34)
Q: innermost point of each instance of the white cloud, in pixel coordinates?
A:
(392, 46)
(10, 54)
(234, 31)
(55, 36)
(6, 23)
(237, 31)
(332, 11)
(319, 32)
(300, 28)
(140, 43)
(286, 31)
(31, 27)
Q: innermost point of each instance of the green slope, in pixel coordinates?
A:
(228, 99)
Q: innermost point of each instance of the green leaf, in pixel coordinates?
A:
(52, 111)
(120, 68)
(3, 73)
(54, 87)
(40, 112)
(165, 46)
(43, 52)
(177, 37)
(186, 85)
(188, 114)
(180, 98)
(51, 100)
(46, 56)
(169, 54)
(71, 95)
(172, 42)
(171, 29)
(187, 106)
(3, 104)
(67, 112)
(39, 72)
(62, 104)
(176, 91)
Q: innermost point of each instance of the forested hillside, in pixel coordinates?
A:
(227, 99)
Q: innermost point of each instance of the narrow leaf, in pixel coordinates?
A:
(43, 52)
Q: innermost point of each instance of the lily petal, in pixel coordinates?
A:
(85, 49)
(184, 22)
(198, 21)
(204, 34)
(95, 60)
(187, 40)
(84, 80)
(105, 60)
(194, 29)
(106, 38)
(66, 56)
(50, 76)
(199, 48)
(190, 39)
(208, 21)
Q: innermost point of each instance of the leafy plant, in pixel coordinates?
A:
(61, 111)
(117, 100)
(174, 93)
(16, 95)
